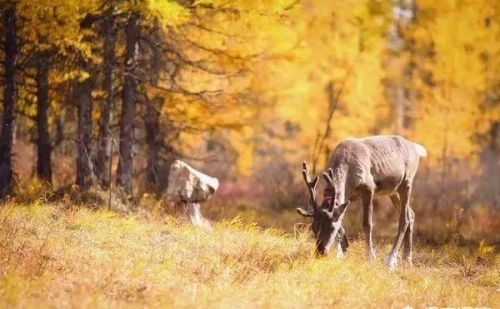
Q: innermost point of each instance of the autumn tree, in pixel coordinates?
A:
(103, 157)
(253, 87)
(6, 133)
(51, 40)
(129, 97)
(153, 110)
(454, 49)
(85, 173)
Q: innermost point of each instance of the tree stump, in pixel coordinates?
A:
(188, 188)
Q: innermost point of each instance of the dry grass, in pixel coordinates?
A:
(56, 257)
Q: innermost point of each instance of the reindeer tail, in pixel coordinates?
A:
(422, 152)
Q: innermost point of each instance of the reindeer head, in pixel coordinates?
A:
(327, 218)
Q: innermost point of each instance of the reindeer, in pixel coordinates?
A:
(365, 168)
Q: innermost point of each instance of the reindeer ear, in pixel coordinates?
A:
(304, 213)
(343, 207)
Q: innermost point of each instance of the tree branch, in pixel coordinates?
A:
(333, 103)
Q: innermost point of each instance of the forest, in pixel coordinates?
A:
(98, 98)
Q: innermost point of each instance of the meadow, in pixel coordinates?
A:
(99, 98)
(53, 255)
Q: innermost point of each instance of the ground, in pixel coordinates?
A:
(52, 255)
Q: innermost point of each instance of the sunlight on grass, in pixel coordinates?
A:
(51, 256)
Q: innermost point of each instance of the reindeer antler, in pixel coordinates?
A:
(328, 175)
(311, 185)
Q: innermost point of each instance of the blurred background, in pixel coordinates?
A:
(103, 92)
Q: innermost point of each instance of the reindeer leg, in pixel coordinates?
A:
(408, 240)
(367, 200)
(404, 196)
(344, 241)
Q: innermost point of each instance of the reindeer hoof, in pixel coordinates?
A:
(371, 255)
(392, 261)
(340, 252)
(409, 263)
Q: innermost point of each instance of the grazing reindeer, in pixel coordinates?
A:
(365, 168)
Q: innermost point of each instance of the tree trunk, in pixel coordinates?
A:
(84, 163)
(104, 147)
(401, 92)
(152, 118)
(6, 137)
(125, 165)
(151, 125)
(44, 171)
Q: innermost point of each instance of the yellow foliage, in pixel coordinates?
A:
(169, 12)
(333, 41)
(257, 71)
(450, 110)
(244, 146)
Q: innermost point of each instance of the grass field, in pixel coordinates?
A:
(55, 256)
